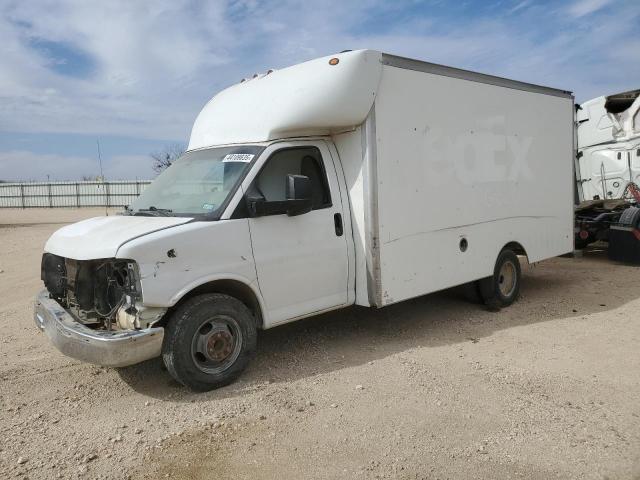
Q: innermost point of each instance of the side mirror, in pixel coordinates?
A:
(298, 193)
(297, 199)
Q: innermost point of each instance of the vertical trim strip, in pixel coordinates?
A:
(371, 216)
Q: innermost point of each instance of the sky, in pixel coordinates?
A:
(135, 74)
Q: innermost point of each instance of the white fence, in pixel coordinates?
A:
(70, 194)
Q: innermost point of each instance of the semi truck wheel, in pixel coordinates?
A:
(208, 341)
(503, 287)
(630, 217)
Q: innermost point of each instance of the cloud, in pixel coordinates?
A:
(585, 7)
(519, 6)
(20, 165)
(144, 70)
(148, 72)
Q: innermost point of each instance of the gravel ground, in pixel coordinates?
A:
(435, 387)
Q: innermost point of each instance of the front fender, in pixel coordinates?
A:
(253, 285)
(174, 261)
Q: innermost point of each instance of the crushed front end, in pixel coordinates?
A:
(92, 310)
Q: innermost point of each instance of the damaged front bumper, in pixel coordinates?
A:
(100, 347)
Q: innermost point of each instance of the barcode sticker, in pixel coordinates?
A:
(238, 157)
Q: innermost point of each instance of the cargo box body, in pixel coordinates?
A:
(455, 166)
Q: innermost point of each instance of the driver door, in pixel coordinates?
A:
(301, 260)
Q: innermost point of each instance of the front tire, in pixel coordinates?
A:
(208, 341)
(503, 287)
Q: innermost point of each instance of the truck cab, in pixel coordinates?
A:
(608, 174)
(262, 223)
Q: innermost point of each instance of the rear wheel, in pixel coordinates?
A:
(209, 341)
(503, 287)
(630, 217)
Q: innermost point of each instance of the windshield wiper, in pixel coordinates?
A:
(154, 212)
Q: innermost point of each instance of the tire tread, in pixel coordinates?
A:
(176, 344)
(488, 286)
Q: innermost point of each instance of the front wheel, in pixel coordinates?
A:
(503, 287)
(208, 341)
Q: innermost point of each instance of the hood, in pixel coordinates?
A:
(101, 237)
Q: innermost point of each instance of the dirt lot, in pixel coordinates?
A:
(431, 388)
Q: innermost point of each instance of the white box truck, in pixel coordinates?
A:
(361, 178)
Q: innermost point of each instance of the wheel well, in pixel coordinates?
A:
(233, 288)
(516, 248)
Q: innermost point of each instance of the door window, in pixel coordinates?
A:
(271, 181)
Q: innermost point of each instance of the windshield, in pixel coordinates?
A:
(198, 183)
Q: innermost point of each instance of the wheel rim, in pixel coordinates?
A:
(216, 344)
(507, 278)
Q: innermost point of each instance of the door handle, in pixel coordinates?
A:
(337, 223)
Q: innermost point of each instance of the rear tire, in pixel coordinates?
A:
(503, 287)
(630, 217)
(208, 341)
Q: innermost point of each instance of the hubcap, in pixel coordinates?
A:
(507, 278)
(216, 344)
(220, 345)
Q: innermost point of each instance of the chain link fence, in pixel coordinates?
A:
(70, 194)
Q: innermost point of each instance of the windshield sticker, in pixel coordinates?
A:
(208, 206)
(238, 157)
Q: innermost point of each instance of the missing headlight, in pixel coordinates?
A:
(94, 289)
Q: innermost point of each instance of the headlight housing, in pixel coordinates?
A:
(93, 288)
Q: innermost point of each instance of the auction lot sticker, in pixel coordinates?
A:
(238, 157)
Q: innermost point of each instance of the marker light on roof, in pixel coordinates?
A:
(334, 61)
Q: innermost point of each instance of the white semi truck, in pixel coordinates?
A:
(608, 174)
(360, 178)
